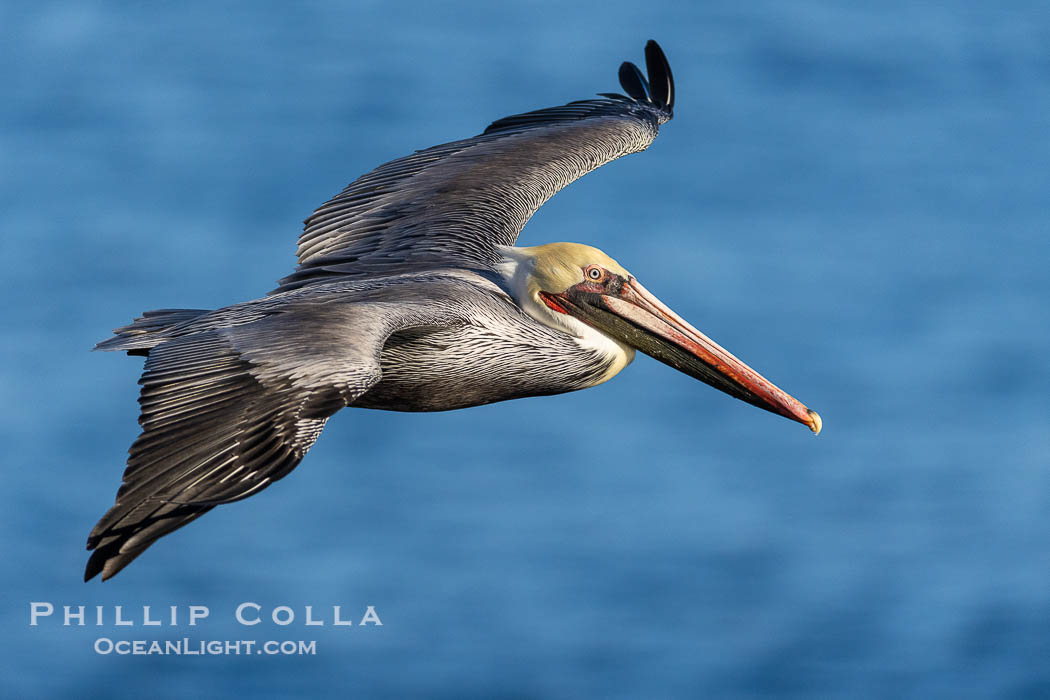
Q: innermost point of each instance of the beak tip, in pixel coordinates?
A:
(815, 424)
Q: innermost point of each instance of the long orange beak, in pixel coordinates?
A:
(631, 314)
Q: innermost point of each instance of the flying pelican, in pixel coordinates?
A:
(409, 295)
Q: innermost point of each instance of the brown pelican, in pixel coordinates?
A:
(409, 295)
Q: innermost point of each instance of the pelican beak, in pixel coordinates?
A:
(627, 311)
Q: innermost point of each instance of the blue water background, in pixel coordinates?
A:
(853, 197)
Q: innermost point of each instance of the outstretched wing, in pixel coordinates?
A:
(233, 401)
(454, 204)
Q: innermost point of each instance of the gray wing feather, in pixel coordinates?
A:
(233, 401)
(453, 205)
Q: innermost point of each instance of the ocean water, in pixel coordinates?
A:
(852, 197)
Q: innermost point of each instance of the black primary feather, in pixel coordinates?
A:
(633, 82)
(661, 82)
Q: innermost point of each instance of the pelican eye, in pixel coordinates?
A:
(595, 273)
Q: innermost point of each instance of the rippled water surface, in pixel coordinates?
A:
(852, 197)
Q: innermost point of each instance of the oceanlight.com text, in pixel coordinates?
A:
(213, 647)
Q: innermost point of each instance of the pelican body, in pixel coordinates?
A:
(409, 295)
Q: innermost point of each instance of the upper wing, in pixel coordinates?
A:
(233, 399)
(454, 204)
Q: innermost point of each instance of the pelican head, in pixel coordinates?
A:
(577, 288)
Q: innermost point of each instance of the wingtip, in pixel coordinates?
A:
(107, 563)
(93, 568)
(656, 85)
